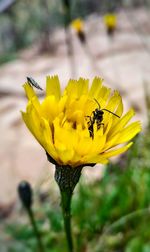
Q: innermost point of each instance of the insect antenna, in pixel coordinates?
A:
(105, 109)
(97, 103)
(111, 112)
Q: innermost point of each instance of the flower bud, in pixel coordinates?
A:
(25, 194)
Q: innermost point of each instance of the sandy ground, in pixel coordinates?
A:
(123, 62)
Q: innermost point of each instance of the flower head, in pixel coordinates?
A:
(78, 25)
(110, 20)
(68, 128)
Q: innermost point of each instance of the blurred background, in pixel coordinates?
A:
(76, 38)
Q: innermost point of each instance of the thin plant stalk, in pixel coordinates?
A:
(66, 209)
(25, 194)
(68, 37)
(36, 231)
(70, 51)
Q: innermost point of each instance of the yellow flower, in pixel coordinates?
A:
(61, 122)
(77, 25)
(110, 20)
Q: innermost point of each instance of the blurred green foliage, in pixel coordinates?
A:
(28, 22)
(111, 214)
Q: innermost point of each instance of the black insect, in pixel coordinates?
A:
(97, 117)
(33, 83)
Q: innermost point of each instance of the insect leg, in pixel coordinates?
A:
(99, 125)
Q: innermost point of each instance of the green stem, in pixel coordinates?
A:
(35, 229)
(70, 52)
(67, 178)
(68, 37)
(66, 209)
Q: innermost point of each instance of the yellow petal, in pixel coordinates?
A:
(48, 139)
(49, 108)
(67, 137)
(34, 128)
(62, 103)
(78, 24)
(36, 104)
(119, 109)
(119, 112)
(113, 102)
(122, 122)
(82, 87)
(110, 143)
(96, 86)
(129, 132)
(72, 89)
(97, 159)
(103, 95)
(53, 87)
(83, 147)
(115, 152)
(110, 20)
(29, 91)
(64, 155)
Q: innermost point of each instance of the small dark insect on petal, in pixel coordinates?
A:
(33, 83)
(97, 117)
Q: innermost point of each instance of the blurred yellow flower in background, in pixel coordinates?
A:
(110, 20)
(77, 25)
(61, 122)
